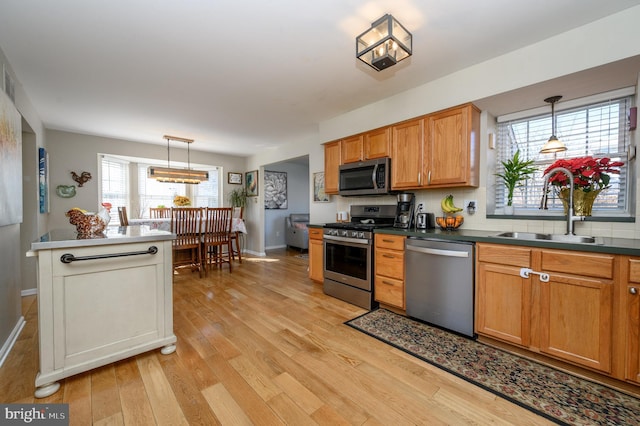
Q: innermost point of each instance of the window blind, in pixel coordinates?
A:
(598, 129)
(114, 184)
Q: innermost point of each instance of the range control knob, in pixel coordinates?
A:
(345, 233)
(361, 234)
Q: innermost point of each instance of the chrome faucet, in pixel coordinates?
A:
(543, 202)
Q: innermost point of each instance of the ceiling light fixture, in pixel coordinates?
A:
(174, 175)
(553, 144)
(385, 44)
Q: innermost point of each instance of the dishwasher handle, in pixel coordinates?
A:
(437, 252)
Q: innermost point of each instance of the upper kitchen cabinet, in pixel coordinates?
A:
(451, 154)
(351, 149)
(332, 161)
(407, 140)
(377, 143)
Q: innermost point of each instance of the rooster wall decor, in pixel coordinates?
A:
(82, 178)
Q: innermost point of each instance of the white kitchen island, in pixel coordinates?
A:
(101, 299)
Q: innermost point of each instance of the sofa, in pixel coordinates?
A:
(296, 233)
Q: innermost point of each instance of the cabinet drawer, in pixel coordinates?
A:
(390, 263)
(315, 233)
(389, 291)
(578, 263)
(504, 255)
(393, 242)
(634, 270)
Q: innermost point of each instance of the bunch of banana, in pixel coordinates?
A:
(447, 205)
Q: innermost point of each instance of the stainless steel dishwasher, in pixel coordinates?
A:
(439, 283)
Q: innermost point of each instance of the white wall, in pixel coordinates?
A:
(12, 237)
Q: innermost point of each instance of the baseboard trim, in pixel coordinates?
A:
(8, 345)
(29, 292)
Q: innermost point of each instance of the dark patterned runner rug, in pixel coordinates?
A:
(558, 396)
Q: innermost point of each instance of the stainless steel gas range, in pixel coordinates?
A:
(348, 254)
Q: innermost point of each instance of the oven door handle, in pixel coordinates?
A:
(346, 239)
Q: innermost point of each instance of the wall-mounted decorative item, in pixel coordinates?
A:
(234, 178)
(66, 191)
(251, 182)
(10, 162)
(275, 190)
(82, 178)
(43, 179)
(318, 188)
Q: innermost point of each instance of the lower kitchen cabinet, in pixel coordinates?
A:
(389, 270)
(503, 297)
(316, 255)
(631, 303)
(556, 302)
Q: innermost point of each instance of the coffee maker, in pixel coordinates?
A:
(404, 211)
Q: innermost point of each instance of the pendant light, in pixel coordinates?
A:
(553, 144)
(173, 175)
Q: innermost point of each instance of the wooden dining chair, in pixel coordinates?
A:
(186, 223)
(216, 237)
(122, 215)
(159, 212)
(235, 236)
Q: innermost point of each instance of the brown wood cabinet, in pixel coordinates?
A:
(352, 149)
(451, 154)
(631, 309)
(377, 143)
(316, 255)
(438, 150)
(407, 140)
(332, 161)
(389, 270)
(503, 297)
(568, 317)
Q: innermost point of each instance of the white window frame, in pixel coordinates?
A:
(527, 199)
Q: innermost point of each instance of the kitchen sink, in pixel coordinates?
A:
(562, 238)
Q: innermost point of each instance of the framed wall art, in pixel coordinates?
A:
(43, 180)
(275, 190)
(251, 182)
(234, 178)
(318, 188)
(10, 162)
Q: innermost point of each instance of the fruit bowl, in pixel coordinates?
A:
(449, 223)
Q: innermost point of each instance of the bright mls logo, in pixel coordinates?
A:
(36, 414)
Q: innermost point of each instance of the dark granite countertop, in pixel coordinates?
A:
(602, 244)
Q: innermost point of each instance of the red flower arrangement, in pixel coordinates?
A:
(589, 174)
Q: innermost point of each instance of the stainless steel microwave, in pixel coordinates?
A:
(370, 177)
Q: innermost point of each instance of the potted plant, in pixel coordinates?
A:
(516, 170)
(238, 197)
(590, 176)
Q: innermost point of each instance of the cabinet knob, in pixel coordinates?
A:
(633, 290)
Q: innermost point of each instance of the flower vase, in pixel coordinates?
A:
(582, 201)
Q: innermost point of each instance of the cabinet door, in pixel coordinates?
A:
(633, 332)
(352, 149)
(451, 152)
(377, 144)
(631, 303)
(332, 153)
(503, 303)
(316, 259)
(406, 150)
(576, 318)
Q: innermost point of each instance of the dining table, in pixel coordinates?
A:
(164, 224)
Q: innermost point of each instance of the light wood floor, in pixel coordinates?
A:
(262, 345)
